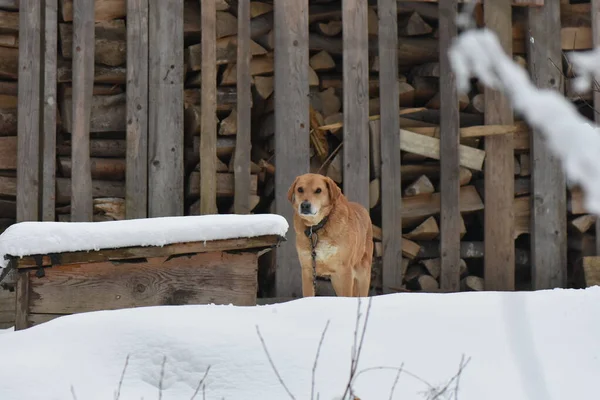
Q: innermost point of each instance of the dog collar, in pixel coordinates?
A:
(314, 228)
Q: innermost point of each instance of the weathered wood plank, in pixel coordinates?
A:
(548, 185)
(28, 118)
(356, 101)
(48, 187)
(450, 219)
(389, 123)
(127, 253)
(199, 279)
(291, 125)
(7, 308)
(23, 289)
(165, 153)
(208, 134)
(521, 3)
(136, 188)
(499, 261)
(595, 17)
(83, 81)
(241, 166)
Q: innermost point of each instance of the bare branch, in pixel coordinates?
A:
(314, 369)
(162, 375)
(200, 384)
(118, 394)
(273, 365)
(396, 381)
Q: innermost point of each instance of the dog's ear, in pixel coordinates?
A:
(292, 190)
(334, 190)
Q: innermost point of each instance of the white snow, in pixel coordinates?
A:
(27, 238)
(569, 135)
(542, 345)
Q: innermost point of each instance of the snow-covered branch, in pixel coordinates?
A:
(569, 135)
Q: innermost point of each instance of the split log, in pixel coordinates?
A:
(591, 271)
(8, 122)
(110, 47)
(108, 113)
(9, 62)
(110, 169)
(228, 126)
(331, 28)
(583, 223)
(226, 52)
(104, 10)
(322, 61)
(225, 185)
(100, 188)
(413, 25)
(226, 97)
(469, 250)
(427, 230)
(98, 148)
(264, 86)
(9, 21)
(8, 152)
(472, 283)
(102, 73)
(421, 186)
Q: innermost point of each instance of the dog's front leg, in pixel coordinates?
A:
(308, 289)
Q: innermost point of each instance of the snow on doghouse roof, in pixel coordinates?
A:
(29, 238)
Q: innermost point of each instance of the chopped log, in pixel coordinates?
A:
(100, 188)
(110, 47)
(322, 61)
(8, 152)
(318, 139)
(258, 8)
(225, 185)
(575, 203)
(102, 73)
(9, 62)
(583, 223)
(9, 40)
(435, 101)
(430, 147)
(259, 65)
(464, 176)
(226, 52)
(431, 70)
(374, 192)
(110, 169)
(418, 208)
(226, 97)
(313, 78)
(477, 103)
(413, 25)
(104, 10)
(228, 125)
(8, 88)
(108, 114)
(472, 283)
(410, 249)
(591, 271)
(331, 28)
(9, 21)
(428, 284)
(327, 102)
(427, 230)
(110, 207)
(225, 147)
(264, 86)
(97, 90)
(433, 266)
(98, 148)
(8, 122)
(421, 186)
(469, 250)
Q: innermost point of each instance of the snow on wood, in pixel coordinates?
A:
(29, 238)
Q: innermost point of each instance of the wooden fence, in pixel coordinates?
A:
(157, 69)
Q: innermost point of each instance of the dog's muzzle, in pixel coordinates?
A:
(305, 208)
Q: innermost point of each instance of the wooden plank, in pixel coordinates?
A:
(241, 164)
(430, 147)
(48, 188)
(204, 278)
(22, 300)
(450, 219)
(126, 253)
(7, 308)
(389, 123)
(356, 102)
(291, 124)
(28, 115)
(548, 185)
(165, 121)
(208, 134)
(83, 82)
(499, 261)
(595, 16)
(136, 179)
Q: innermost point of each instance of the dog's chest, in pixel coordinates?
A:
(325, 251)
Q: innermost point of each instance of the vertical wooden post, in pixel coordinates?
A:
(241, 165)
(22, 299)
(356, 101)
(29, 102)
(136, 179)
(83, 82)
(596, 42)
(291, 125)
(48, 173)
(548, 183)
(391, 188)
(165, 134)
(208, 131)
(499, 246)
(449, 149)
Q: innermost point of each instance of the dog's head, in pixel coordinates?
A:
(313, 196)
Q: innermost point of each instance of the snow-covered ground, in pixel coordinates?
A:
(541, 345)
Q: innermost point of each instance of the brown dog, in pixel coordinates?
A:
(341, 231)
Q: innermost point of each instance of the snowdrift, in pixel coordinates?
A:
(534, 345)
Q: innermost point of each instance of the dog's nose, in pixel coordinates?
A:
(305, 207)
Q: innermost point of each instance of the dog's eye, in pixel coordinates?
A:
(318, 191)
(300, 190)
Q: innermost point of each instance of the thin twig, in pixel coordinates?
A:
(200, 383)
(314, 369)
(118, 394)
(329, 157)
(455, 377)
(458, 379)
(396, 381)
(162, 375)
(73, 393)
(273, 365)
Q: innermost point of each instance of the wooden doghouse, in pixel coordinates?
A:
(222, 271)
